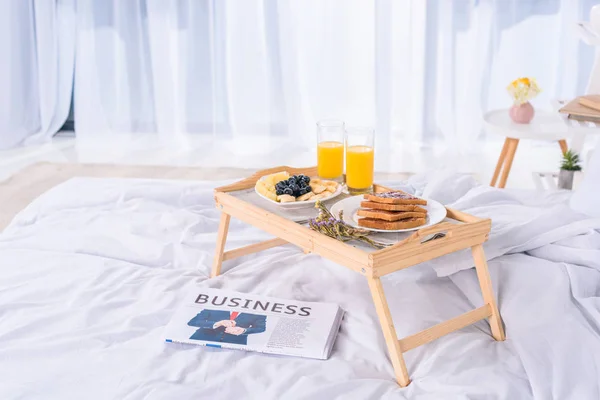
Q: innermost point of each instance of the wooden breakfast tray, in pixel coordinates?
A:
(460, 231)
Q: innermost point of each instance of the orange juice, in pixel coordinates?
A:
(330, 160)
(359, 167)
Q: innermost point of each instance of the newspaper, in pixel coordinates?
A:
(227, 319)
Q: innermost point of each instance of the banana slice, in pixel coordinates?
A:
(286, 198)
(265, 189)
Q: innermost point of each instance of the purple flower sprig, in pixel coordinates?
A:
(336, 228)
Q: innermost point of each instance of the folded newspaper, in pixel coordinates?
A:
(222, 318)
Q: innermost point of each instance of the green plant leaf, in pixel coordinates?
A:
(570, 161)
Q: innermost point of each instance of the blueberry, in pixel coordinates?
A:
(279, 192)
(304, 191)
(292, 180)
(306, 179)
(288, 190)
(295, 187)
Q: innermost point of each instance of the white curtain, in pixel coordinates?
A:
(37, 48)
(256, 73)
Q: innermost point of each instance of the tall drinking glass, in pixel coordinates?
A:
(330, 149)
(359, 160)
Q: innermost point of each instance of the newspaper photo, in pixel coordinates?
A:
(223, 318)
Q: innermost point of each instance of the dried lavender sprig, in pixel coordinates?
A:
(336, 228)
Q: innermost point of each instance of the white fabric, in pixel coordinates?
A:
(91, 272)
(37, 48)
(586, 198)
(261, 72)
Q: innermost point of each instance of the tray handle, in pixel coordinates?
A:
(426, 234)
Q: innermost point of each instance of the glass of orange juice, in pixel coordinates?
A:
(359, 160)
(330, 149)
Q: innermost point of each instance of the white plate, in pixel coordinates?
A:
(436, 213)
(299, 204)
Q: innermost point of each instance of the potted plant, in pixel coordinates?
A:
(568, 167)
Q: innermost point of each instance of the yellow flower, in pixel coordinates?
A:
(523, 89)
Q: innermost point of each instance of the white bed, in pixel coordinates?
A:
(91, 272)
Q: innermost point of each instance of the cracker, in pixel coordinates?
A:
(306, 196)
(317, 188)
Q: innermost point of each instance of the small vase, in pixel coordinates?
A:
(522, 113)
(565, 179)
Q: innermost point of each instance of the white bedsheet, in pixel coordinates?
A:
(91, 272)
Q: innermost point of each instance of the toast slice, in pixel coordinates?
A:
(397, 197)
(389, 225)
(392, 207)
(390, 215)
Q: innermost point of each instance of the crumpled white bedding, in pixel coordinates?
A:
(91, 272)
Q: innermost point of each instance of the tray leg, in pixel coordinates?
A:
(483, 274)
(221, 238)
(389, 332)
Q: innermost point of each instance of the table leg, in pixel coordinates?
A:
(485, 282)
(220, 247)
(389, 332)
(510, 155)
(500, 162)
(563, 146)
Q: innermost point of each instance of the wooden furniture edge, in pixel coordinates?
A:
(253, 248)
(485, 283)
(463, 216)
(471, 233)
(220, 245)
(443, 328)
(506, 157)
(294, 233)
(389, 331)
(249, 182)
(413, 250)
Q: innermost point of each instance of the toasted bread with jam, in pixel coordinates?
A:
(390, 215)
(396, 197)
(391, 225)
(392, 207)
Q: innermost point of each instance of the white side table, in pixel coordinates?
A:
(544, 126)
